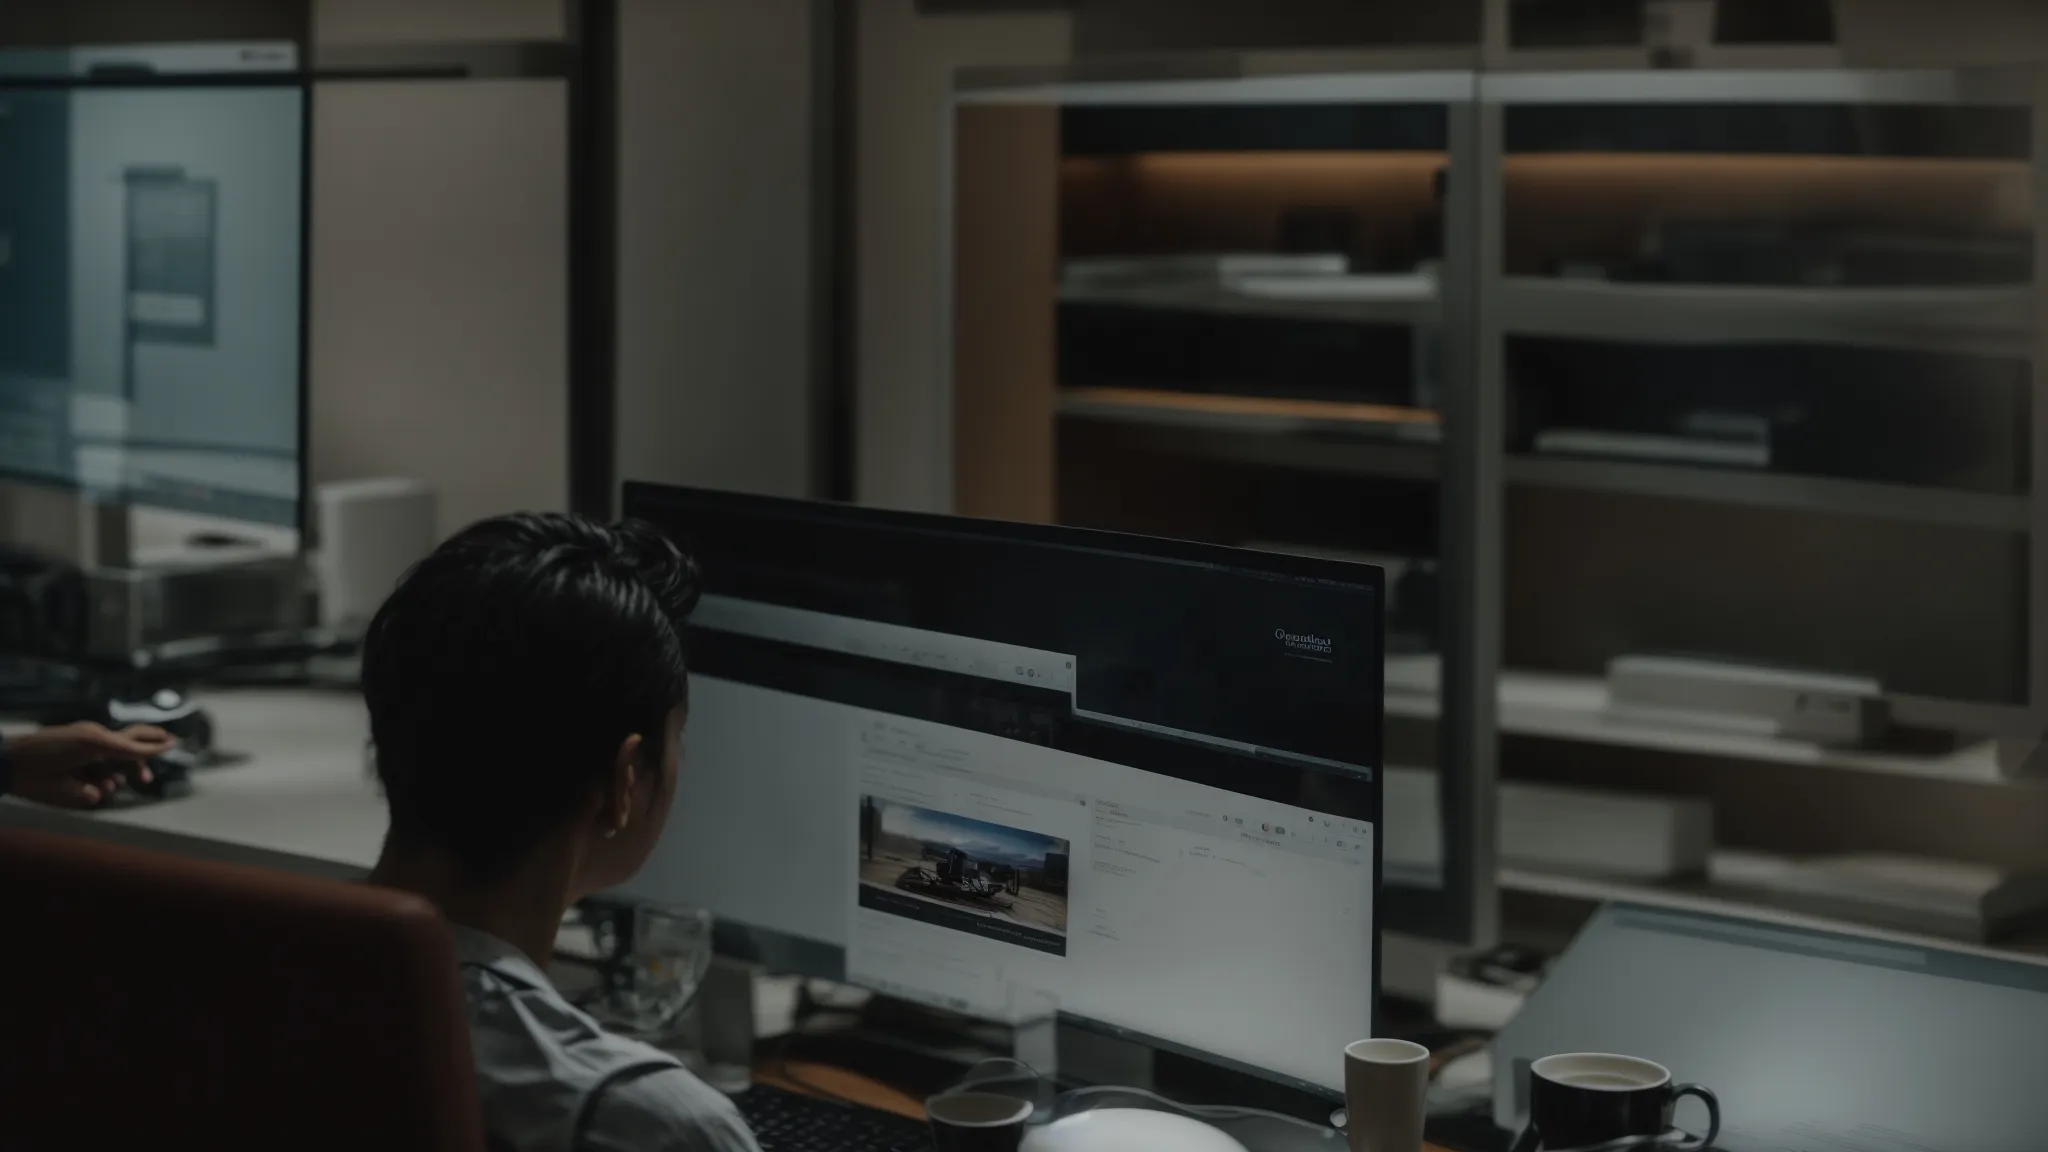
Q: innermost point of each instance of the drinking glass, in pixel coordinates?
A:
(658, 973)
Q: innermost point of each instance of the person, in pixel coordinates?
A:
(77, 765)
(527, 691)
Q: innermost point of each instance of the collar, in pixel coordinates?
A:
(481, 949)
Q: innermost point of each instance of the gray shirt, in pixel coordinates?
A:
(552, 1080)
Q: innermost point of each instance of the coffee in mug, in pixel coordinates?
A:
(1587, 1099)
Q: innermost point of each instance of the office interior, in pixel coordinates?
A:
(1670, 364)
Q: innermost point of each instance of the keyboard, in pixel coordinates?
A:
(786, 1122)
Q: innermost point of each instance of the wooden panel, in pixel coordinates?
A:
(904, 73)
(1005, 253)
(1226, 202)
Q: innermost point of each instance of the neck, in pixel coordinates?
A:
(523, 907)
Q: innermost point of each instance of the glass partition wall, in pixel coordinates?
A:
(1693, 414)
(1254, 322)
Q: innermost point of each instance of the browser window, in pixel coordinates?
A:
(970, 821)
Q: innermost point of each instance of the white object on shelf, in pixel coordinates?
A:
(1555, 828)
(1643, 446)
(1949, 898)
(1471, 1004)
(1606, 833)
(370, 532)
(1562, 706)
(1408, 287)
(1823, 707)
(1212, 268)
(1412, 838)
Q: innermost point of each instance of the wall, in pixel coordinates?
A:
(439, 259)
(906, 63)
(716, 244)
(439, 301)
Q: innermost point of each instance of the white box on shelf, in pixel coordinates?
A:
(1553, 828)
(369, 532)
(1823, 707)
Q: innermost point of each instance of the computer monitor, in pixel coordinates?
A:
(152, 276)
(957, 761)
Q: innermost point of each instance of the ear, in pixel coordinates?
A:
(616, 811)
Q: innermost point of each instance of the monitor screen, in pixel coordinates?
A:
(977, 765)
(152, 207)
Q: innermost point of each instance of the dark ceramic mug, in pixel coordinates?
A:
(1592, 1099)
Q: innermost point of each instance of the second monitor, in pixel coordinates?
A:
(961, 762)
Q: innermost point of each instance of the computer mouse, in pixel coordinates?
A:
(170, 778)
(170, 710)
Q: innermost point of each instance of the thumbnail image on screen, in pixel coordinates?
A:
(970, 875)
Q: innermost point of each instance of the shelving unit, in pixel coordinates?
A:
(1884, 524)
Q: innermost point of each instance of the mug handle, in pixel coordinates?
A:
(1713, 1104)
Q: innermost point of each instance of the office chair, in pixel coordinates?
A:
(153, 1001)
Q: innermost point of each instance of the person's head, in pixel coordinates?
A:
(527, 687)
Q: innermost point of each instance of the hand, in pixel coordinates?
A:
(80, 765)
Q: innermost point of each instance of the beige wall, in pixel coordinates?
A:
(905, 65)
(715, 243)
(438, 343)
(439, 257)
(439, 305)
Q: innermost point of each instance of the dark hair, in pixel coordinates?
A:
(507, 667)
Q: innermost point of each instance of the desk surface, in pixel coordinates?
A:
(854, 1088)
(305, 801)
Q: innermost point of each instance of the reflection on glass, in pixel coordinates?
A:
(150, 272)
(1768, 354)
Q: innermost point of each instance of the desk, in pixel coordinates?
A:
(304, 802)
(854, 1088)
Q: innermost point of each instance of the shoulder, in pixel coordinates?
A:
(666, 1111)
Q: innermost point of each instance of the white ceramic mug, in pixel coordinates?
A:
(1385, 1085)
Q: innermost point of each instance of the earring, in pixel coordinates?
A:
(611, 833)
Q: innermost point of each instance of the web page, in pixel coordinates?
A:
(939, 808)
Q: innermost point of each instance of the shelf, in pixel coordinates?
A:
(1761, 489)
(1705, 894)
(1985, 321)
(1378, 440)
(1403, 300)
(1316, 435)
(1561, 707)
